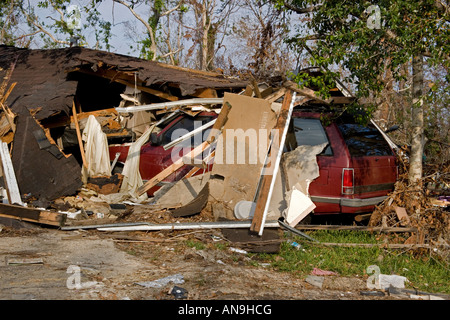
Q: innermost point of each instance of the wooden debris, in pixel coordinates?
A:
(402, 216)
(9, 176)
(105, 184)
(21, 261)
(268, 180)
(221, 119)
(412, 206)
(32, 215)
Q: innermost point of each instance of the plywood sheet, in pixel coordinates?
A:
(241, 151)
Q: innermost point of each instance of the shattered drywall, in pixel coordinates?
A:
(300, 168)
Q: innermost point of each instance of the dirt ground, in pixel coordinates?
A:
(48, 264)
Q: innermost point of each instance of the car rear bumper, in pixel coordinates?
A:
(350, 205)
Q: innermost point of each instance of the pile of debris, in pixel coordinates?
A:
(63, 110)
(423, 207)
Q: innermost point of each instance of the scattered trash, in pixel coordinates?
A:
(415, 293)
(386, 281)
(294, 244)
(22, 261)
(238, 250)
(320, 272)
(372, 293)
(316, 281)
(244, 210)
(177, 279)
(178, 292)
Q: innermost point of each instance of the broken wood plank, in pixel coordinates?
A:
(205, 93)
(21, 261)
(256, 89)
(361, 217)
(268, 180)
(215, 131)
(8, 113)
(32, 215)
(402, 216)
(276, 95)
(305, 92)
(248, 91)
(80, 141)
(9, 176)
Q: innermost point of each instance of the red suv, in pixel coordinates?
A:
(357, 168)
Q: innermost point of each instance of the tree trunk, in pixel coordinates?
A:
(415, 169)
(204, 41)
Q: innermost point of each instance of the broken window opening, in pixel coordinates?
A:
(310, 132)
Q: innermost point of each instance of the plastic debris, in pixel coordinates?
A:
(238, 250)
(393, 280)
(296, 245)
(315, 281)
(320, 272)
(178, 292)
(176, 278)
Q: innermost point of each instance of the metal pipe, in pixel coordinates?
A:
(171, 104)
(187, 226)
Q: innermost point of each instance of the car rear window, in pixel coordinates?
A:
(310, 132)
(364, 141)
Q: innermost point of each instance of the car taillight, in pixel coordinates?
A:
(347, 181)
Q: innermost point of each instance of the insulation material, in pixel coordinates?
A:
(240, 153)
(138, 122)
(132, 179)
(96, 150)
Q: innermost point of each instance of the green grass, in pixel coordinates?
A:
(195, 244)
(425, 272)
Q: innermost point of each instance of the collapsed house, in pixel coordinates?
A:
(54, 95)
(54, 86)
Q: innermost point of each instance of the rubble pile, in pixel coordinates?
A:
(74, 122)
(424, 207)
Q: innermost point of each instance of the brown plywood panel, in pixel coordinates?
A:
(241, 151)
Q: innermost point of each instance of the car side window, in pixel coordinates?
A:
(364, 141)
(310, 132)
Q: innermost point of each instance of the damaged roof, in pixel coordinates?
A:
(43, 82)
